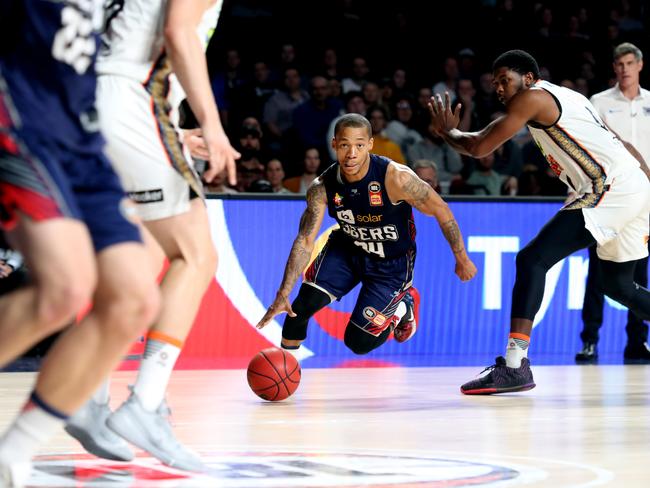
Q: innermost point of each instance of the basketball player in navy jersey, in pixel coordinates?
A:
(610, 209)
(371, 198)
(62, 207)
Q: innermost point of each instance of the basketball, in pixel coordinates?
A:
(273, 374)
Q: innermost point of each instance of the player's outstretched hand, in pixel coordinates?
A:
(280, 304)
(465, 269)
(442, 117)
(222, 155)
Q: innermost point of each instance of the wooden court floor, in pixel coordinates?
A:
(582, 426)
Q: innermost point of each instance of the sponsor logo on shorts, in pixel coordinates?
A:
(369, 218)
(374, 194)
(147, 196)
(374, 316)
(369, 312)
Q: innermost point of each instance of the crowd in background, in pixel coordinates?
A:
(283, 73)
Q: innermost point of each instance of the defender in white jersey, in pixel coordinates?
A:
(611, 208)
(153, 54)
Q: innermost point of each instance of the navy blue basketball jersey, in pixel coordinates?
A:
(47, 68)
(367, 218)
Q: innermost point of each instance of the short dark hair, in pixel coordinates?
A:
(352, 120)
(518, 61)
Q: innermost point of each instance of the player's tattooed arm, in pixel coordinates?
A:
(403, 184)
(301, 251)
(303, 245)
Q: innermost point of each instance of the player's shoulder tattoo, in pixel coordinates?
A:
(316, 200)
(414, 189)
(316, 193)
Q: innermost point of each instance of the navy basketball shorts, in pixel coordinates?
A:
(42, 179)
(338, 268)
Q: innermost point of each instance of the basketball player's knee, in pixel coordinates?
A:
(358, 341)
(131, 309)
(309, 301)
(201, 258)
(528, 258)
(58, 304)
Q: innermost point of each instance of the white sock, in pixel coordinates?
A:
(517, 349)
(33, 427)
(400, 311)
(102, 395)
(155, 370)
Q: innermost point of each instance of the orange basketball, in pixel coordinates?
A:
(273, 374)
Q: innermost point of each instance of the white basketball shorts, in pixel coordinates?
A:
(619, 222)
(145, 147)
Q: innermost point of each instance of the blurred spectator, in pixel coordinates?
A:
(253, 95)
(312, 118)
(485, 181)
(330, 64)
(275, 176)
(250, 139)
(402, 129)
(311, 167)
(399, 85)
(336, 89)
(421, 114)
(467, 64)
(432, 148)
(218, 184)
(287, 59)
(486, 100)
(383, 146)
(508, 159)
(372, 95)
(226, 84)
(449, 79)
(249, 170)
(358, 77)
(278, 111)
(469, 120)
(428, 172)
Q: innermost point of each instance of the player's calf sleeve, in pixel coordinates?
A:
(309, 301)
(528, 291)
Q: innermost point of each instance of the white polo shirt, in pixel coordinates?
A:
(630, 119)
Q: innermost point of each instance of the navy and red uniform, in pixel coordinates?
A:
(375, 246)
(51, 160)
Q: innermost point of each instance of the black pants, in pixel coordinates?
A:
(564, 234)
(592, 307)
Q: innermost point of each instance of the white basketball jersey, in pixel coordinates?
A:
(580, 149)
(133, 42)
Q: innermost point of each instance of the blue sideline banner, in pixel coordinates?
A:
(465, 321)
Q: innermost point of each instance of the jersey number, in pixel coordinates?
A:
(73, 43)
(372, 247)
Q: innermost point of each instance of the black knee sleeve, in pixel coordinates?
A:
(309, 301)
(361, 342)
